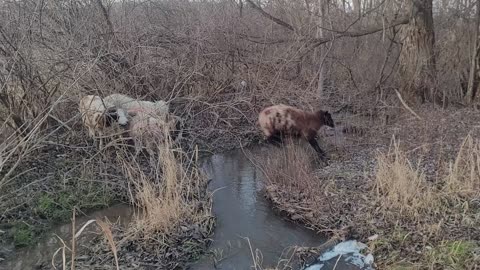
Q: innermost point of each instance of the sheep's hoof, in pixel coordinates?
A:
(325, 160)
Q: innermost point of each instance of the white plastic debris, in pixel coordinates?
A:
(368, 259)
(315, 267)
(351, 246)
(350, 252)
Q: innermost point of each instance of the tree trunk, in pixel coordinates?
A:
(473, 77)
(417, 59)
(357, 7)
(320, 53)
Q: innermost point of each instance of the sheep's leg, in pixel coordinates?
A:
(177, 138)
(101, 135)
(313, 142)
(91, 132)
(151, 155)
(279, 138)
(138, 147)
(97, 140)
(275, 139)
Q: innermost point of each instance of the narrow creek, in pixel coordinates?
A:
(243, 213)
(245, 223)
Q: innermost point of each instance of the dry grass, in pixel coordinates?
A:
(169, 199)
(401, 185)
(200, 76)
(164, 195)
(463, 177)
(443, 211)
(425, 222)
(292, 164)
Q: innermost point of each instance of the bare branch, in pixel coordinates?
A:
(365, 32)
(270, 17)
(315, 42)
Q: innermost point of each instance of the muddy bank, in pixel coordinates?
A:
(71, 172)
(39, 255)
(50, 181)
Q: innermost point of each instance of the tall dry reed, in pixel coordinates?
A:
(166, 195)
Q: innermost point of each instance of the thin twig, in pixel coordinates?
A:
(406, 106)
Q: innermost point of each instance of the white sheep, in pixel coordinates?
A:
(97, 115)
(148, 122)
(149, 132)
(133, 106)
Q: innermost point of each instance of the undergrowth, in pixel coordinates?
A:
(422, 222)
(172, 214)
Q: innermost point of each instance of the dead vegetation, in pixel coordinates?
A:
(422, 202)
(171, 223)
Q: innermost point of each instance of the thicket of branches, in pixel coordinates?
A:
(196, 54)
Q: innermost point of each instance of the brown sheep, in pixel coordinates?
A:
(280, 120)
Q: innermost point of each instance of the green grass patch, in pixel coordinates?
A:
(453, 254)
(22, 234)
(58, 207)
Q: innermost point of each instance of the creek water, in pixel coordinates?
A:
(245, 223)
(243, 213)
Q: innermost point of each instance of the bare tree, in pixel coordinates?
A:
(417, 60)
(357, 7)
(321, 52)
(474, 76)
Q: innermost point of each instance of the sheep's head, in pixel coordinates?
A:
(111, 116)
(326, 118)
(122, 117)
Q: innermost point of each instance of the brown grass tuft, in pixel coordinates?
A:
(463, 177)
(108, 234)
(164, 196)
(401, 185)
(289, 165)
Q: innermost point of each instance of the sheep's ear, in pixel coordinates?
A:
(131, 114)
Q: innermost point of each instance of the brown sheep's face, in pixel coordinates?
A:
(327, 119)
